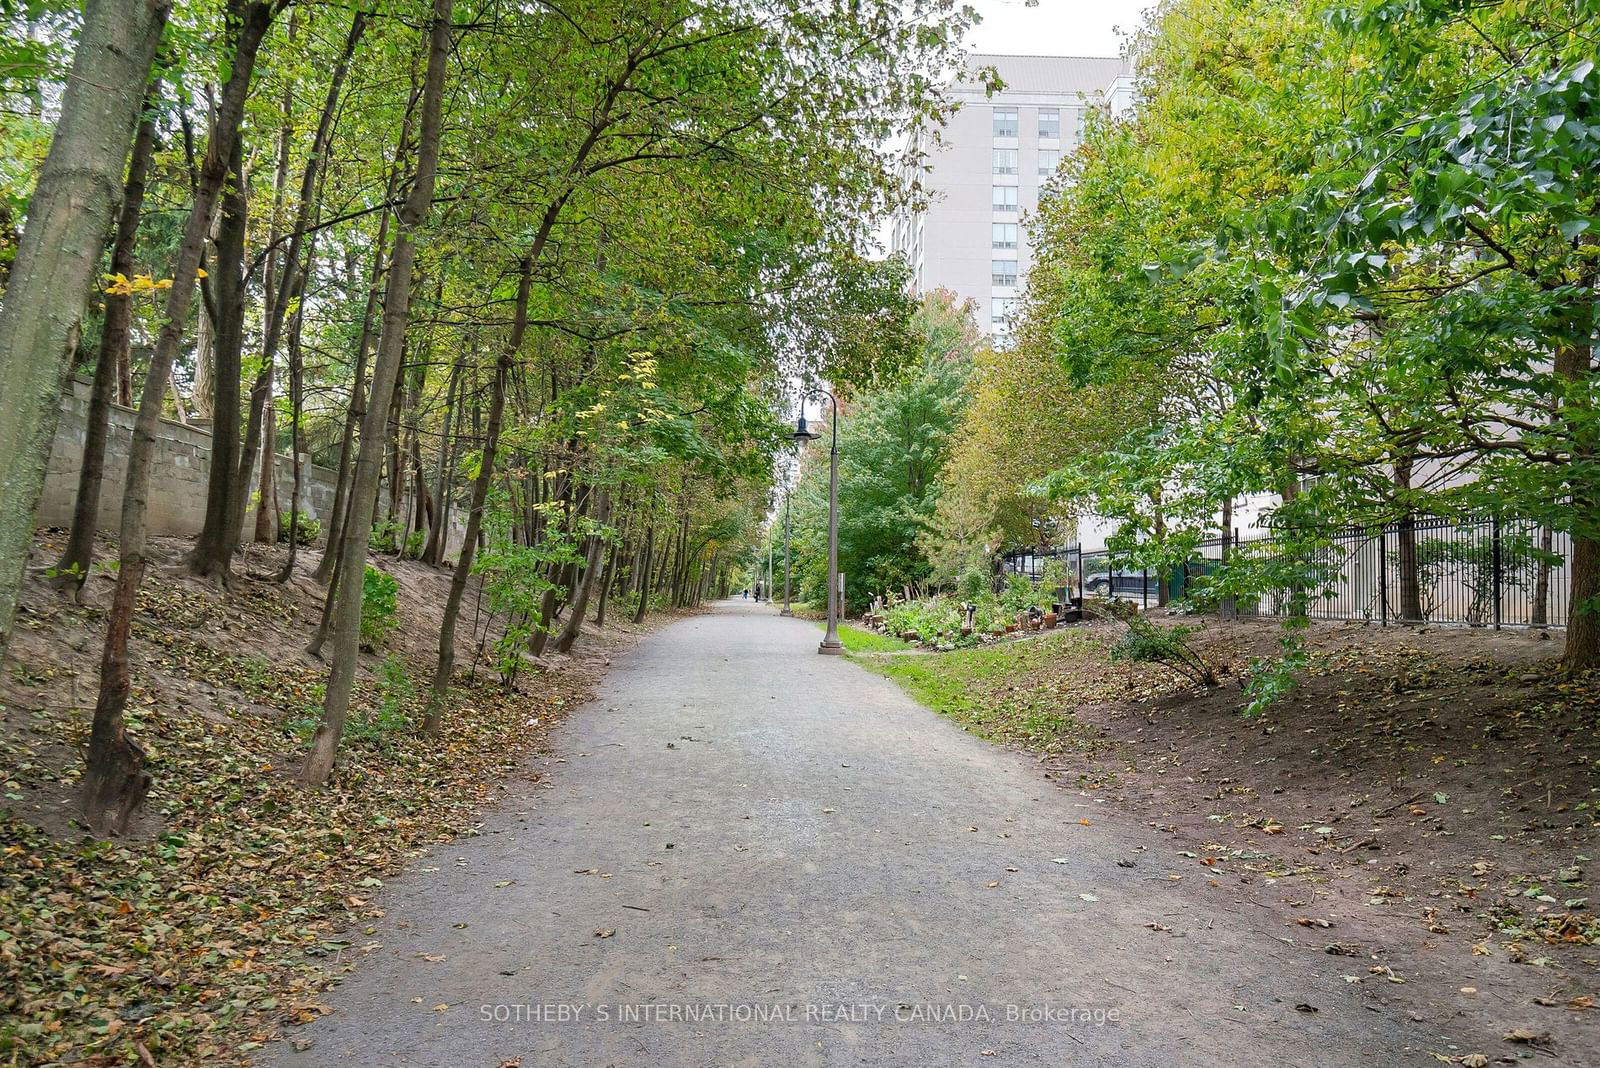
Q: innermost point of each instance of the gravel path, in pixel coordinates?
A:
(801, 866)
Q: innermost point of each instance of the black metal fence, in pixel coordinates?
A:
(1479, 572)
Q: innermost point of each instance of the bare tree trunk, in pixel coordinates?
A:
(422, 510)
(643, 586)
(1540, 614)
(591, 573)
(609, 578)
(114, 783)
(1575, 363)
(296, 441)
(1163, 578)
(73, 567)
(205, 346)
(1406, 543)
(1228, 608)
(267, 486)
(214, 548)
(480, 495)
(385, 374)
(358, 408)
(396, 480)
(55, 261)
(433, 552)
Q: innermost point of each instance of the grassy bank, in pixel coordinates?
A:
(1018, 692)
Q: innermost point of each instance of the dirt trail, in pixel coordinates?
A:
(756, 855)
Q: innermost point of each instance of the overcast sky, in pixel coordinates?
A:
(1055, 27)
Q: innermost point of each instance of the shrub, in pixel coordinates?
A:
(395, 694)
(1052, 579)
(1146, 643)
(975, 584)
(386, 535)
(379, 595)
(1019, 595)
(307, 532)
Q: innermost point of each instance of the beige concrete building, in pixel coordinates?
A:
(983, 172)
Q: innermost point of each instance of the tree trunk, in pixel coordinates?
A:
(1540, 613)
(358, 407)
(591, 573)
(267, 497)
(608, 579)
(644, 571)
(296, 441)
(385, 375)
(480, 495)
(57, 255)
(205, 355)
(73, 567)
(1164, 576)
(1582, 652)
(1228, 608)
(433, 552)
(1405, 552)
(422, 511)
(213, 551)
(396, 480)
(114, 783)
(260, 390)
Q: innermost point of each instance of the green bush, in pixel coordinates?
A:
(379, 595)
(386, 535)
(975, 584)
(1019, 595)
(1146, 643)
(395, 695)
(308, 529)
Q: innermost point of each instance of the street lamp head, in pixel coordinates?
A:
(801, 433)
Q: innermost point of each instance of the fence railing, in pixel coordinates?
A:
(1480, 572)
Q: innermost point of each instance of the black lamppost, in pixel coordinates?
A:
(830, 645)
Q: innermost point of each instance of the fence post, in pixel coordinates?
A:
(1144, 590)
(1383, 575)
(1081, 593)
(1495, 543)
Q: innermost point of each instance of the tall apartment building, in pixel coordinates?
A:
(986, 169)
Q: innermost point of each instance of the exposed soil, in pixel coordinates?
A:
(194, 937)
(1424, 803)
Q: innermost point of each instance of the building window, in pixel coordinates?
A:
(1005, 198)
(1000, 310)
(1004, 273)
(1005, 161)
(1005, 122)
(1049, 124)
(1005, 235)
(1049, 160)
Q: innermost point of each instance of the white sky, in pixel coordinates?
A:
(1055, 27)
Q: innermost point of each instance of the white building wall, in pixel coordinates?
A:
(971, 187)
